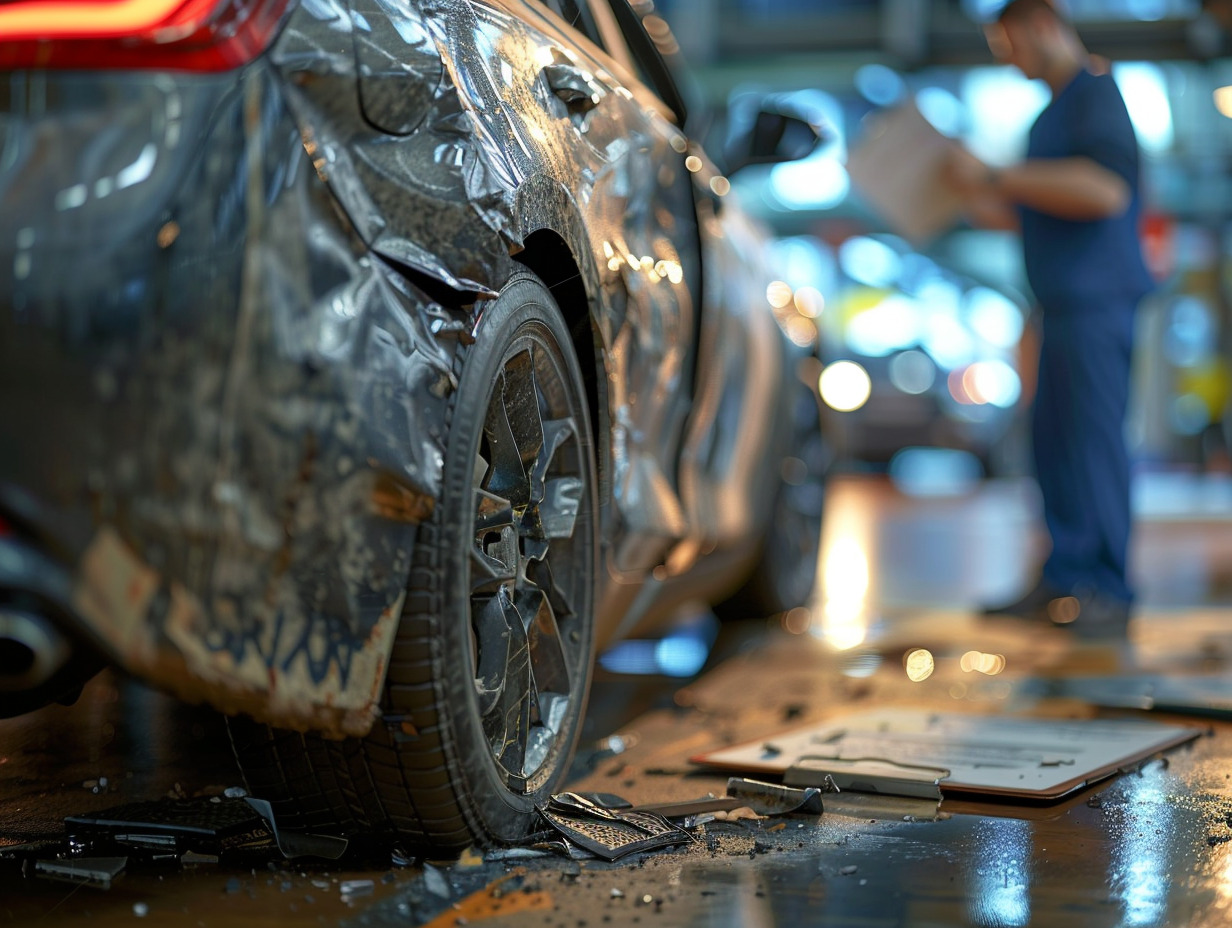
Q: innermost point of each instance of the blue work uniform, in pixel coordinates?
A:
(1088, 277)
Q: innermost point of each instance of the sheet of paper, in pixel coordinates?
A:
(917, 753)
(898, 168)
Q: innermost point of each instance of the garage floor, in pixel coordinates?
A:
(1147, 848)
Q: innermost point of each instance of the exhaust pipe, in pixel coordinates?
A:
(31, 650)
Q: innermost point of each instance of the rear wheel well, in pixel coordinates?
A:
(552, 261)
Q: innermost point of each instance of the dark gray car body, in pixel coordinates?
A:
(229, 309)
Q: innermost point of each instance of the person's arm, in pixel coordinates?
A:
(991, 212)
(1076, 188)
(1068, 188)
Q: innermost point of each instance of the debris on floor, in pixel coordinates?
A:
(97, 847)
(610, 834)
(609, 827)
(99, 872)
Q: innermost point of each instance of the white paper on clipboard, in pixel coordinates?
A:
(898, 168)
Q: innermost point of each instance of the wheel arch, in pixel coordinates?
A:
(549, 256)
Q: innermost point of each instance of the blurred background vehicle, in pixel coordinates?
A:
(943, 330)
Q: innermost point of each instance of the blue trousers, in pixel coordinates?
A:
(1080, 455)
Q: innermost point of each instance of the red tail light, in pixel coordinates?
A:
(184, 35)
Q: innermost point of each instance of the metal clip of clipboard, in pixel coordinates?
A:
(868, 775)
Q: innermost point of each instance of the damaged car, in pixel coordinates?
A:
(365, 365)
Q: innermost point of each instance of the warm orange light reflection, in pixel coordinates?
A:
(1223, 101)
(797, 621)
(919, 665)
(844, 622)
(979, 662)
(958, 389)
(779, 294)
(1064, 609)
(809, 302)
(96, 20)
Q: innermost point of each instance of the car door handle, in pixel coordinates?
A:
(573, 85)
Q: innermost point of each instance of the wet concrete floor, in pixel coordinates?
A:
(1152, 847)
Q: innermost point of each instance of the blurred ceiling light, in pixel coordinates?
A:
(1064, 609)
(845, 580)
(919, 665)
(869, 261)
(804, 261)
(889, 326)
(957, 385)
(1002, 105)
(879, 85)
(912, 372)
(979, 662)
(801, 331)
(810, 302)
(941, 108)
(845, 386)
(994, 317)
(813, 183)
(1145, 88)
(779, 294)
(948, 341)
(1189, 414)
(1223, 100)
(797, 621)
(993, 382)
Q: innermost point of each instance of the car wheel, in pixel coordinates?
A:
(491, 665)
(786, 565)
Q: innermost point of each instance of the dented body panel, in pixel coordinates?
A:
(230, 304)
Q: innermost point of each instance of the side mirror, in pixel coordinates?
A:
(770, 137)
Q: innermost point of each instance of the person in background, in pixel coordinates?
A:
(1075, 198)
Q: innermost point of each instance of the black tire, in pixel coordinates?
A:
(502, 591)
(785, 570)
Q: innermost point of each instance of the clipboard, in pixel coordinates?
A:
(907, 752)
(899, 169)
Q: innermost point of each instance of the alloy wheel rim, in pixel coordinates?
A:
(528, 561)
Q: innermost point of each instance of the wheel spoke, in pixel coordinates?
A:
(521, 399)
(549, 666)
(504, 680)
(559, 510)
(493, 638)
(506, 475)
(543, 576)
(556, 433)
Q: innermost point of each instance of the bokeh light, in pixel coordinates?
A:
(919, 665)
(845, 386)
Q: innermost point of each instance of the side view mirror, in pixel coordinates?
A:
(769, 133)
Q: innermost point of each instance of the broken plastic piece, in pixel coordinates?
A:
(772, 799)
(174, 825)
(436, 882)
(691, 807)
(99, 872)
(294, 844)
(612, 835)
